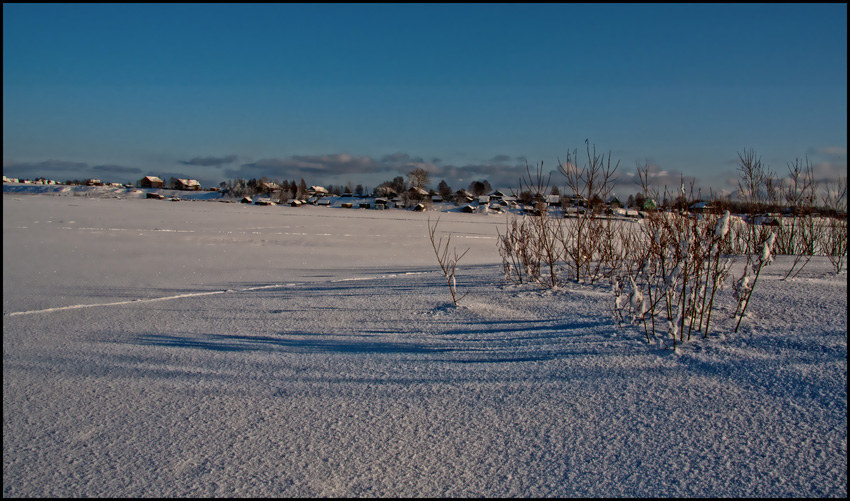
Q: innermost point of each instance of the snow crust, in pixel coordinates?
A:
(207, 349)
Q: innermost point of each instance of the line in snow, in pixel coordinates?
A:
(132, 301)
(180, 296)
(151, 300)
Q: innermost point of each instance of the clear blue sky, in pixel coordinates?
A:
(363, 93)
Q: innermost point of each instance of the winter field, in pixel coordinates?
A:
(156, 348)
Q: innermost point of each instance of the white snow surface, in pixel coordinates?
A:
(155, 348)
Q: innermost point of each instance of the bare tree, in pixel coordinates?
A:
(418, 177)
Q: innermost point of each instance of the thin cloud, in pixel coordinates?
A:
(826, 172)
(316, 167)
(47, 165)
(327, 168)
(210, 161)
(497, 174)
(400, 159)
(117, 169)
(834, 152)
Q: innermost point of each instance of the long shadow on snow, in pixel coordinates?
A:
(541, 343)
(229, 342)
(465, 341)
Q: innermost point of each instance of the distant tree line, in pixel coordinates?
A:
(415, 189)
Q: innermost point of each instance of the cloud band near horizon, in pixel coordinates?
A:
(502, 171)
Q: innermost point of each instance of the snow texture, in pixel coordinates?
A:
(153, 348)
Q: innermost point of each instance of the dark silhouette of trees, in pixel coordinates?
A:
(444, 190)
(478, 188)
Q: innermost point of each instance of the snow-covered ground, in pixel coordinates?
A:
(155, 348)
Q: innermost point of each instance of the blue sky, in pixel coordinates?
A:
(364, 93)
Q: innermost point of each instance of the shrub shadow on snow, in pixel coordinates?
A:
(387, 316)
(499, 345)
(225, 342)
(527, 327)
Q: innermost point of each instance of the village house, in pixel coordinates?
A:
(649, 204)
(497, 196)
(268, 187)
(381, 203)
(415, 193)
(150, 182)
(577, 200)
(463, 197)
(187, 185)
(701, 208)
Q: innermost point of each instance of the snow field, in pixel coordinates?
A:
(275, 351)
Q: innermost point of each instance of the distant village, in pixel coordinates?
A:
(145, 182)
(479, 197)
(386, 196)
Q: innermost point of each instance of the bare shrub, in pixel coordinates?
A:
(520, 259)
(448, 263)
(674, 271)
(543, 232)
(796, 237)
(752, 192)
(665, 271)
(583, 237)
(584, 246)
(744, 286)
(833, 243)
(716, 272)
